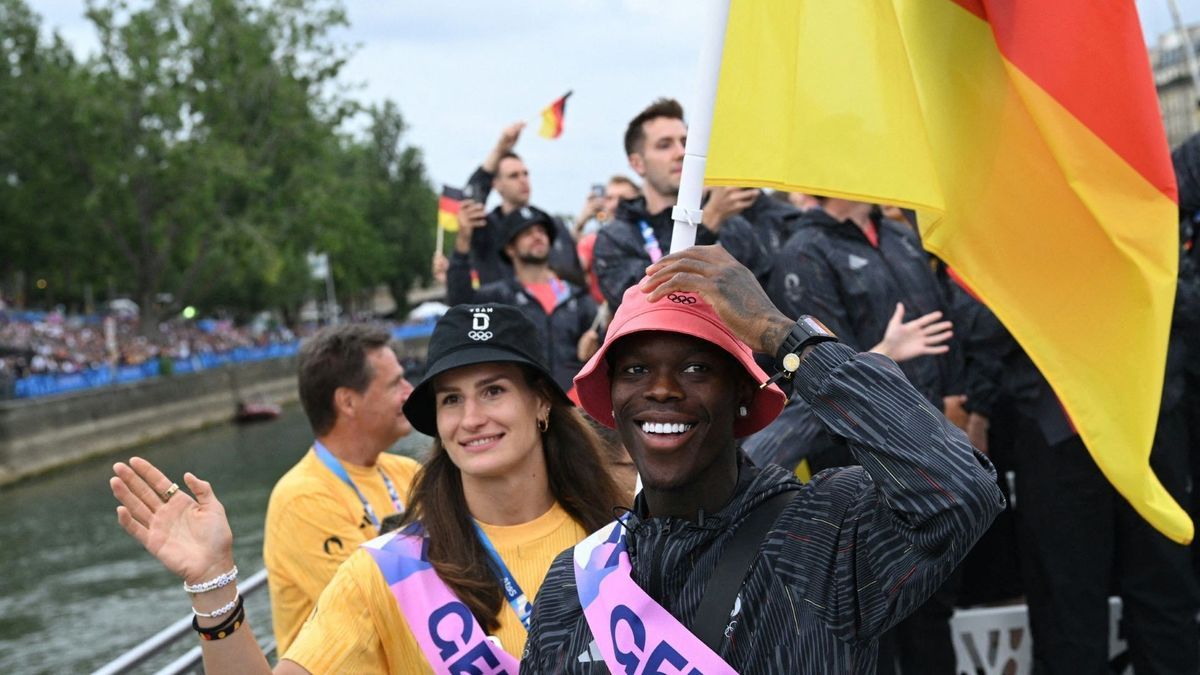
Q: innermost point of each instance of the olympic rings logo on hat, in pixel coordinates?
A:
(480, 335)
(682, 299)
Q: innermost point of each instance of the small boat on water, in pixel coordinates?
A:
(256, 412)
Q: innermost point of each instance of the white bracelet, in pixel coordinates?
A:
(220, 611)
(212, 584)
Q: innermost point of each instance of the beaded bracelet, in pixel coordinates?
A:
(212, 584)
(225, 628)
(223, 610)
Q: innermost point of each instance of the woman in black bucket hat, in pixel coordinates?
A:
(515, 475)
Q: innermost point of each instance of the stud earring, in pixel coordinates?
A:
(742, 412)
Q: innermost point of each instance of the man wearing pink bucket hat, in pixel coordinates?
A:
(725, 567)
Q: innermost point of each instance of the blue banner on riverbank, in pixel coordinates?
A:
(35, 386)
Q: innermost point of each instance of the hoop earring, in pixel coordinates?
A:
(543, 425)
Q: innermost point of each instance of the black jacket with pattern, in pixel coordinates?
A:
(773, 223)
(829, 269)
(855, 551)
(620, 258)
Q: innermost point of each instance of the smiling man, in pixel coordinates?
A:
(353, 391)
(724, 567)
(641, 231)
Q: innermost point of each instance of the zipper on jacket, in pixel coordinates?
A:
(655, 582)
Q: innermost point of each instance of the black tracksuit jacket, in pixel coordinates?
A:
(855, 551)
(830, 270)
(486, 258)
(620, 255)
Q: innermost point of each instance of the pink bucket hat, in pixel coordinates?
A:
(687, 314)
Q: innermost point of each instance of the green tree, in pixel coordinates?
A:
(42, 189)
(208, 121)
(397, 200)
(197, 156)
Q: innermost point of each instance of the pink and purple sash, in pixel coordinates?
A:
(451, 639)
(634, 633)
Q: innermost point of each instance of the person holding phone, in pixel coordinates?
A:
(504, 171)
(560, 311)
(596, 214)
(601, 204)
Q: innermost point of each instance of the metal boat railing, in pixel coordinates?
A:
(168, 637)
(994, 641)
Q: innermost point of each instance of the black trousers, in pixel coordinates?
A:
(1080, 540)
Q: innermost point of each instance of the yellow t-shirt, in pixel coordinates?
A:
(314, 522)
(357, 627)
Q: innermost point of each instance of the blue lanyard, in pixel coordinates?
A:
(653, 249)
(512, 590)
(338, 470)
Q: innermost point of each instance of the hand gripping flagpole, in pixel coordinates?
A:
(687, 213)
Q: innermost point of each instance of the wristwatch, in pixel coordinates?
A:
(807, 330)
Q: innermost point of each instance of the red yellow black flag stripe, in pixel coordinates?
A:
(552, 117)
(996, 120)
(448, 206)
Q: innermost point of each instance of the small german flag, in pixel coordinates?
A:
(552, 117)
(448, 206)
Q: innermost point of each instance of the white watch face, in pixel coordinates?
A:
(791, 362)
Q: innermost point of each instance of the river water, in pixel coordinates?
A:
(76, 591)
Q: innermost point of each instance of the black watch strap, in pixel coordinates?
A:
(807, 330)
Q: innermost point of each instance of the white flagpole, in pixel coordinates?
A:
(686, 213)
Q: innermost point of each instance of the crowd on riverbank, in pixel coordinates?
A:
(54, 344)
(48, 353)
(36, 343)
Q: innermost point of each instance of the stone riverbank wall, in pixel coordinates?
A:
(38, 435)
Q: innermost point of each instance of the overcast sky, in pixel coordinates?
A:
(460, 70)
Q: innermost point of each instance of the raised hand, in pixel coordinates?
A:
(471, 215)
(922, 336)
(507, 141)
(724, 202)
(592, 206)
(509, 137)
(728, 286)
(190, 537)
(440, 267)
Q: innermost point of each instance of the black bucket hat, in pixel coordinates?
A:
(471, 334)
(522, 219)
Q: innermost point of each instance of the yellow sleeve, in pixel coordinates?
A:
(307, 537)
(356, 627)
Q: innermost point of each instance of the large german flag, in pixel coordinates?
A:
(1027, 133)
(552, 117)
